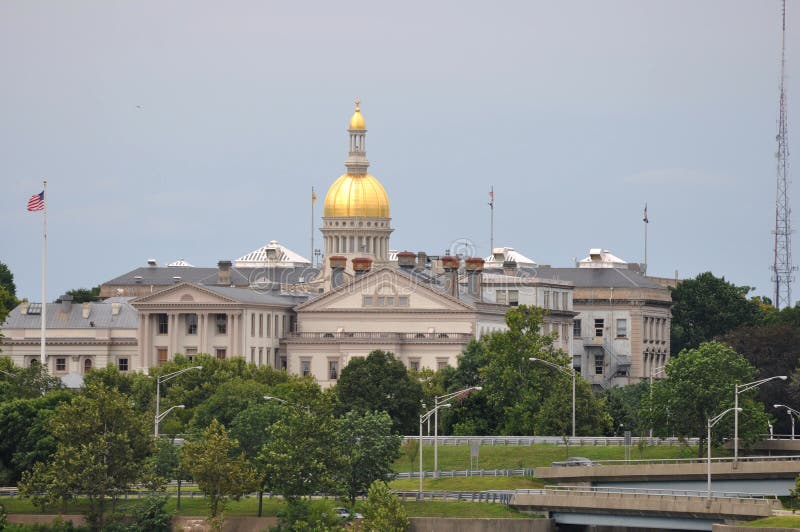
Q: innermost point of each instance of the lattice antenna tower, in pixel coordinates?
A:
(782, 268)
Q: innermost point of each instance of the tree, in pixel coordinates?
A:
(555, 413)
(300, 456)
(774, 349)
(383, 511)
(84, 295)
(378, 383)
(472, 415)
(369, 449)
(707, 307)
(624, 404)
(219, 471)
(699, 385)
(101, 444)
(17, 383)
(8, 292)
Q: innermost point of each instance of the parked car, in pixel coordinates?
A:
(574, 461)
(345, 514)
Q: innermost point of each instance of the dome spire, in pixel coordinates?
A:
(357, 162)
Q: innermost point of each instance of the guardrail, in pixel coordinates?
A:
(554, 440)
(499, 497)
(721, 459)
(648, 491)
(526, 472)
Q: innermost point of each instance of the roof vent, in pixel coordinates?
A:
(115, 307)
(85, 310)
(176, 279)
(152, 262)
(137, 279)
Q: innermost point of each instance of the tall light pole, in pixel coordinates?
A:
(160, 379)
(422, 419)
(711, 423)
(566, 371)
(653, 373)
(739, 388)
(285, 402)
(792, 413)
(439, 400)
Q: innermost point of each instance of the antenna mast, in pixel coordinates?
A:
(782, 267)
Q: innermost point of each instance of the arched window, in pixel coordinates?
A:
(87, 365)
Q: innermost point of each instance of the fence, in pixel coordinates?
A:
(647, 491)
(526, 441)
(498, 497)
(526, 472)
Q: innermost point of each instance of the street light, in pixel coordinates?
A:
(4, 372)
(285, 402)
(567, 371)
(711, 423)
(792, 413)
(738, 388)
(163, 414)
(422, 419)
(654, 372)
(439, 400)
(159, 380)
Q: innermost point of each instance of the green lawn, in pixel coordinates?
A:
(786, 521)
(462, 509)
(467, 484)
(456, 457)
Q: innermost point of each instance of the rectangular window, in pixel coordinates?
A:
(565, 333)
(622, 328)
(162, 355)
(413, 365)
(253, 355)
(333, 369)
(598, 364)
(576, 328)
(122, 364)
(252, 325)
(191, 324)
(283, 326)
(555, 330)
(260, 356)
(556, 299)
(441, 364)
(277, 331)
(599, 324)
(269, 325)
(61, 364)
(402, 301)
(220, 351)
(546, 299)
(513, 297)
(163, 324)
(305, 367)
(367, 301)
(222, 324)
(261, 326)
(190, 353)
(500, 297)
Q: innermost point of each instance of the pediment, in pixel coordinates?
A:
(185, 294)
(384, 289)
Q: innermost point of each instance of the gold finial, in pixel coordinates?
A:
(358, 102)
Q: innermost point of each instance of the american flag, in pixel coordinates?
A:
(491, 197)
(36, 203)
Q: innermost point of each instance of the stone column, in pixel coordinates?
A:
(140, 338)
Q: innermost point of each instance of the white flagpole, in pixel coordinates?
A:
(42, 356)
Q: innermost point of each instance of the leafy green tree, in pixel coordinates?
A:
(84, 295)
(555, 414)
(383, 511)
(219, 471)
(30, 382)
(228, 400)
(309, 516)
(699, 385)
(471, 415)
(300, 457)
(378, 383)
(8, 292)
(138, 387)
(706, 307)
(101, 444)
(249, 427)
(624, 405)
(369, 449)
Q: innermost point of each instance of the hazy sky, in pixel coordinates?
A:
(194, 129)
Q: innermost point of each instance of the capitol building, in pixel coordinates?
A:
(274, 307)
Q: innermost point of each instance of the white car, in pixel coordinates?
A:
(344, 513)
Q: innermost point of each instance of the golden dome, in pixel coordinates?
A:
(356, 196)
(357, 120)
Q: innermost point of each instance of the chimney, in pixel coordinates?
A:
(422, 260)
(510, 267)
(23, 307)
(338, 264)
(474, 267)
(115, 307)
(85, 310)
(361, 265)
(152, 263)
(224, 274)
(66, 304)
(450, 265)
(406, 260)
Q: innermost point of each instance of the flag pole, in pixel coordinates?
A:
(313, 202)
(491, 220)
(42, 355)
(646, 222)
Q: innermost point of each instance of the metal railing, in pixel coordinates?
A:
(524, 472)
(377, 335)
(675, 461)
(499, 497)
(553, 440)
(647, 492)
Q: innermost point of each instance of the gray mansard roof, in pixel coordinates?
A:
(100, 316)
(167, 275)
(599, 277)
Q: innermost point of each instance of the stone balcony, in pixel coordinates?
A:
(365, 337)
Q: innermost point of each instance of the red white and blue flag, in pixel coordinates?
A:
(36, 203)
